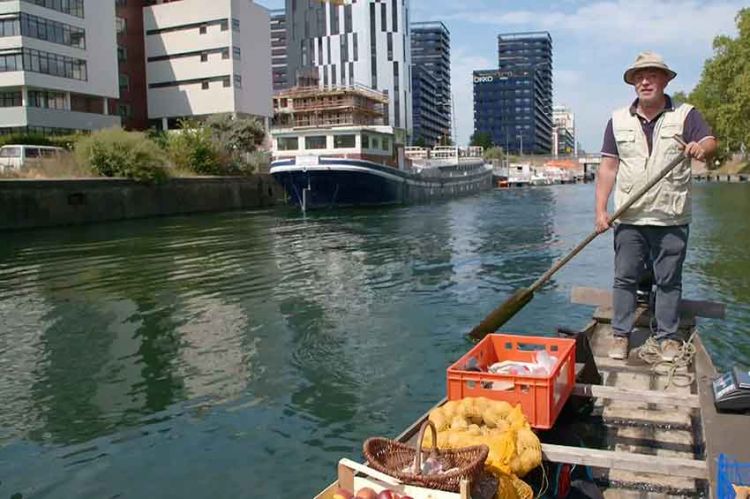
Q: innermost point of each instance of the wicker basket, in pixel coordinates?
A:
(392, 458)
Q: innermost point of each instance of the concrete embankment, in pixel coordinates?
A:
(47, 203)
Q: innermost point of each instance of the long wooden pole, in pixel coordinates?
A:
(520, 298)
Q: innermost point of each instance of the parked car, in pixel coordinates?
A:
(15, 157)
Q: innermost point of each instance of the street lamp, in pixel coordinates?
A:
(520, 137)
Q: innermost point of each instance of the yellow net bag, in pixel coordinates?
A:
(515, 449)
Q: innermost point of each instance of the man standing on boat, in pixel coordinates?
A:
(638, 143)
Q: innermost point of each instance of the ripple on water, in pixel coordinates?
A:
(208, 349)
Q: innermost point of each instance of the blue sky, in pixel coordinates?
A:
(593, 42)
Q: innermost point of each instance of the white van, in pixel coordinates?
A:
(15, 157)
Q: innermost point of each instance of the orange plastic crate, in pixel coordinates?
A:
(541, 397)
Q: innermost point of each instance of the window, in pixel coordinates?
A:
(43, 29)
(10, 99)
(44, 62)
(46, 99)
(288, 143)
(344, 141)
(203, 29)
(10, 27)
(225, 53)
(32, 152)
(235, 24)
(238, 81)
(204, 57)
(72, 7)
(124, 83)
(334, 18)
(121, 3)
(383, 18)
(315, 142)
(204, 85)
(124, 110)
(122, 54)
(226, 82)
(120, 25)
(224, 25)
(371, 141)
(348, 18)
(236, 53)
(10, 152)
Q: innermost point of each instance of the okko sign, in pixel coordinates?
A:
(484, 79)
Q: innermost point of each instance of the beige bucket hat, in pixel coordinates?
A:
(647, 59)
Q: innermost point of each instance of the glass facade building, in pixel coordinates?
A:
(514, 102)
(431, 82)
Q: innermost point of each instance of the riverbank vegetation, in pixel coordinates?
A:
(723, 95)
(220, 145)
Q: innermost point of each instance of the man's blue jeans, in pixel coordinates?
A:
(666, 248)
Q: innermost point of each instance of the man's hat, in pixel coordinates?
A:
(647, 59)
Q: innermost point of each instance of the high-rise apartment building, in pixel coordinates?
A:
(346, 43)
(205, 58)
(431, 82)
(563, 131)
(514, 102)
(58, 69)
(278, 49)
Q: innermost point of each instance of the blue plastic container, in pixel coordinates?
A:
(730, 472)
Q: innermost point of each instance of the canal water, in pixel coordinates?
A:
(242, 354)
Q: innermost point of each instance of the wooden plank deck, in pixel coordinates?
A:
(654, 441)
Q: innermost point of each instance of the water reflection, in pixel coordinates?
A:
(225, 344)
(719, 268)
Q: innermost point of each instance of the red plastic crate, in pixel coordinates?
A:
(541, 397)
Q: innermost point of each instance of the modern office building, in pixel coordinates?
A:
(506, 107)
(514, 102)
(563, 131)
(132, 105)
(205, 58)
(58, 69)
(278, 49)
(431, 67)
(348, 43)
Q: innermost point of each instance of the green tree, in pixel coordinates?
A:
(419, 142)
(192, 148)
(235, 134)
(723, 93)
(494, 153)
(482, 139)
(680, 98)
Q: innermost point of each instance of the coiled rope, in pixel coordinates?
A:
(675, 370)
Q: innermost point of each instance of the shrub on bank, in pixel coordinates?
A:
(116, 153)
(192, 149)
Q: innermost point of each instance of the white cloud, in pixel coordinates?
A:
(592, 44)
(625, 22)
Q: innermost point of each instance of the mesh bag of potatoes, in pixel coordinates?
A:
(515, 449)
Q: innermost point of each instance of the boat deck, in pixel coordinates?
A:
(641, 437)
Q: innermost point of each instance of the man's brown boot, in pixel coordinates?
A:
(619, 348)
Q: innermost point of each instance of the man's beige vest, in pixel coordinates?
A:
(668, 202)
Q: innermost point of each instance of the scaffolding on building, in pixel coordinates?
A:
(315, 106)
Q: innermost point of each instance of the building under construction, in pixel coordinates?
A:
(311, 106)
